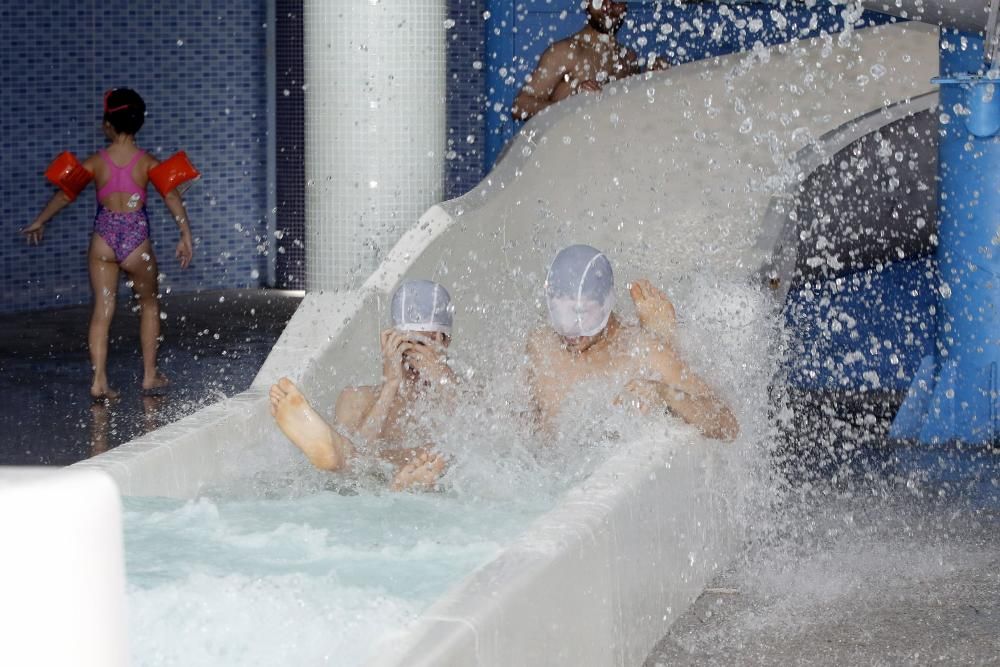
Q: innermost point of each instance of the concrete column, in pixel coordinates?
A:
(375, 129)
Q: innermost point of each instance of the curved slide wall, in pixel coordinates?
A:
(712, 152)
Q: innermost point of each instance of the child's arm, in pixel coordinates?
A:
(689, 396)
(36, 230)
(185, 247)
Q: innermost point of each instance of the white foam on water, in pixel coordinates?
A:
(320, 579)
(261, 620)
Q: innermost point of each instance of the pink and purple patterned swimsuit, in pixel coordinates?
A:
(122, 231)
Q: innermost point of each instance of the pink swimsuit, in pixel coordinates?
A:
(122, 231)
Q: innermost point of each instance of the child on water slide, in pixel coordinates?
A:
(120, 242)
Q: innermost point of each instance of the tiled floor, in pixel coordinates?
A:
(214, 344)
(897, 562)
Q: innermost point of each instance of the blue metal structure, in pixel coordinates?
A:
(955, 392)
(866, 305)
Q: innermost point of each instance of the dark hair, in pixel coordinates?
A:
(124, 109)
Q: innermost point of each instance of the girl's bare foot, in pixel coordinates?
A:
(155, 385)
(304, 426)
(99, 390)
(656, 313)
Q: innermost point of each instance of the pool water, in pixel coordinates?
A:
(315, 580)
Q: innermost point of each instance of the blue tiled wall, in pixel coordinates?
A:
(290, 172)
(466, 96)
(201, 67)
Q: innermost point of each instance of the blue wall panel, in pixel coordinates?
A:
(200, 66)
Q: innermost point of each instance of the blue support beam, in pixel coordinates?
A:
(954, 394)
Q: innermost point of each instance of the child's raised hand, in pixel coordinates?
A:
(34, 232)
(185, 251)
(655, 312)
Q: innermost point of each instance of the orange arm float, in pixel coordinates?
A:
(67, 174)
(173, 172)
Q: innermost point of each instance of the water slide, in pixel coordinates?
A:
(688, 176)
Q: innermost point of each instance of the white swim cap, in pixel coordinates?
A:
(580, 291)
(421, 305)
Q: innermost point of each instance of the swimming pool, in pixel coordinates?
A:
(320, 579)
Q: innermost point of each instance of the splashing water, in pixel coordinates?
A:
(296, 566)
(883, 568)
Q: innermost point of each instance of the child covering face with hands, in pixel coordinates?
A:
(381, 419)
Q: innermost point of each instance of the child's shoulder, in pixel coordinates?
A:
(91, 161)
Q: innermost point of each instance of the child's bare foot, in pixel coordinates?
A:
(304, 426)
(100, 390)
(656, 313)
(155, 385)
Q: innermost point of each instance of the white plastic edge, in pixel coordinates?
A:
(62, 569)
(597, 580)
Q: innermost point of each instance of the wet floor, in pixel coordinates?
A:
(214, 344)
(896, 564)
